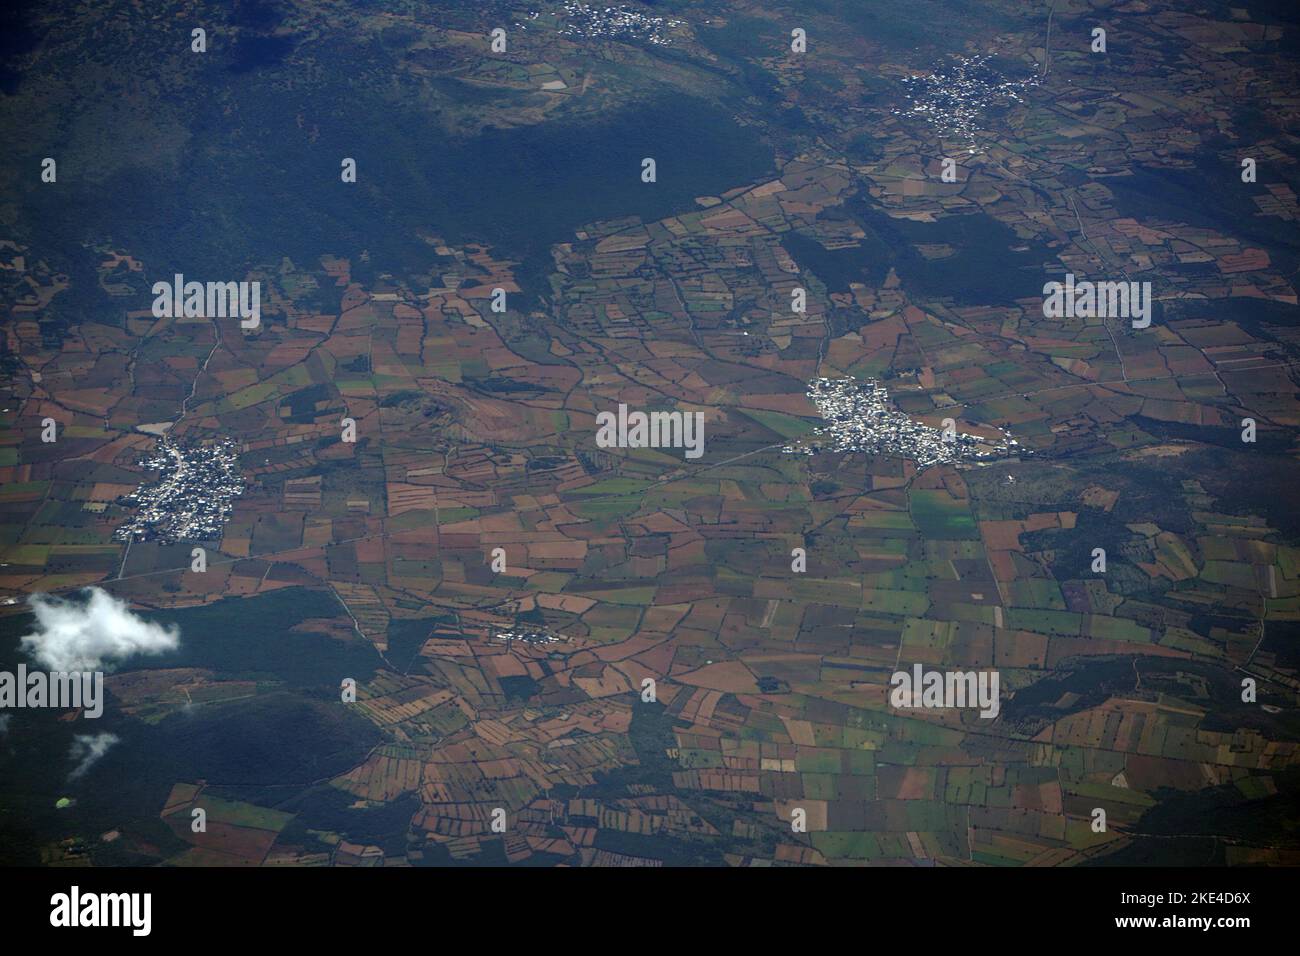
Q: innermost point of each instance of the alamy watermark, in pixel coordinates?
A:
(209, 300)
(945, 689)
(651, 430)
(76, 909)
(1105, 300)
(63, 690)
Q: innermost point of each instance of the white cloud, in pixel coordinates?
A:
(88, 748)
(81, 637)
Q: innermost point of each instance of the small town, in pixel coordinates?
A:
(191, 500)
(860, 417)
(614, 23)
(953, 100)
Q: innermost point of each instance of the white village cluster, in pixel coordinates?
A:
(191, 500)
(860, 418)
(526, 636)
(615, 23)
(953, 100)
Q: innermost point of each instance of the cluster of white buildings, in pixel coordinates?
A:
(616, 23)
(860, 418)
(526, 636)
(952, 100)
(192, 498)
